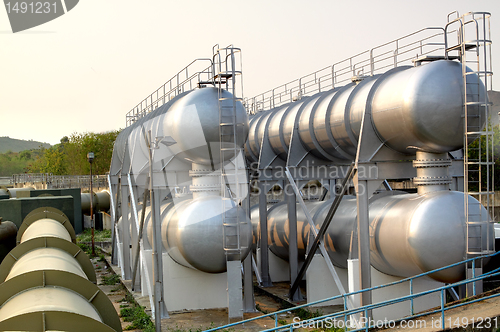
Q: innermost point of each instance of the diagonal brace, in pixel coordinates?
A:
(318, 243)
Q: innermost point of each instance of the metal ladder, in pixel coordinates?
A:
(227, 71)
(474, 53)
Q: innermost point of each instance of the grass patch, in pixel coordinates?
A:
(128, 298)
(99, 236)
(138, 317)
(88, 249)
(111, 279)
(304, 314)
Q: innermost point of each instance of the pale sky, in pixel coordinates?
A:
(83, 71)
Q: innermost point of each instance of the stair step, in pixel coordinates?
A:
(458, 47)
(430, 58)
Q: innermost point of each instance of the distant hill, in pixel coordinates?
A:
(494, 97)
(18, 145)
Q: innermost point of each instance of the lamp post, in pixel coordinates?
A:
(90, 157)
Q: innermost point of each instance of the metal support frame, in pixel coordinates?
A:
(318, 236)
(135, 262)
(248, 294)
(135, 238)
(293, 251)
(160, 309)
(363, 224)
(264, 245)
(114, 212)
(126, 268)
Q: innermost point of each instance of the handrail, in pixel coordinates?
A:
(367, 307)
(343, 71)
(175, 86)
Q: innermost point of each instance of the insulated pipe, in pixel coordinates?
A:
(411, 108)
(8, 234)
(409, 233)
(101, 202)
(48, 283)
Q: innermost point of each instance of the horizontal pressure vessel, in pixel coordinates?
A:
(188, 126)
(410, 107)
(193, 232)
(409, 233)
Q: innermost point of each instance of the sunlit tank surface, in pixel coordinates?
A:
(191, 120)
(192, 233)
(409, 233)
(411, 107)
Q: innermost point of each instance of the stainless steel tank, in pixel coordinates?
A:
(409, 233)
(192, 233)
(410, 107)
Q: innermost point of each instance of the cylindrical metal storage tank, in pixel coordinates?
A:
(278, 235)
(409, 233)
(411, 107)
(193, 122)
(192, 233)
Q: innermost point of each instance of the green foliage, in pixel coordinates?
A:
(80, 144)
(15, 163)
(138, 317)
(70, 156)
(99, 236)
(304, 314)
(477, 152)
(111, 279)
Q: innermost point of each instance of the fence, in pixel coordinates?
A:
(49, 181)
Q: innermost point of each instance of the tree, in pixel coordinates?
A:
(477, 152)
(70, 156)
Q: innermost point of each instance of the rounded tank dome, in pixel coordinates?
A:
(193, 122)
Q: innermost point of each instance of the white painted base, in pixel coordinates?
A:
(185, 288)
(320, 285)
(279, 270)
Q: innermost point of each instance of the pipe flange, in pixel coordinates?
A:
(423, 163)
(203, 172)
(203, 188)
(426, 181)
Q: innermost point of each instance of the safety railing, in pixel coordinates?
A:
(186, 79)
(344, 314)
(402, 51)
(50, 181)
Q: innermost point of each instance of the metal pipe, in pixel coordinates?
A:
(48, 281)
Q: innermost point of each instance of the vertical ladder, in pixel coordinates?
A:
(227, 71)
(474, 52)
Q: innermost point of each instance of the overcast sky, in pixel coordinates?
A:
(83, 71)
